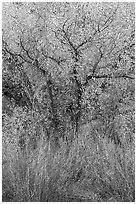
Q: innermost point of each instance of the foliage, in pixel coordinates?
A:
(68, 101)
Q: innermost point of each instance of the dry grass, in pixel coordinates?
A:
(92, 170)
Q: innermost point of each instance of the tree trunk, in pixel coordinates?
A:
(78, 94)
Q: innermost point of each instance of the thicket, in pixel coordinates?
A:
(68, 102)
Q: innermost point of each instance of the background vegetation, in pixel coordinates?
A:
(68, 102)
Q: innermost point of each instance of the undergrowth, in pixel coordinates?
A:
(92, 169)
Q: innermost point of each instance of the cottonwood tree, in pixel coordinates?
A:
(81, 56)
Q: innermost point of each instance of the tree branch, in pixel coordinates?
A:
(108, 20)
(64, 33)
(13, 54)
(27, 52)
(107, 76)
(116, 76)
(58, 61)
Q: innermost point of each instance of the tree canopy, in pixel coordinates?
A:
(70, 58)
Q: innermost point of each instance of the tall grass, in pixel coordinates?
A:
(94, 169)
